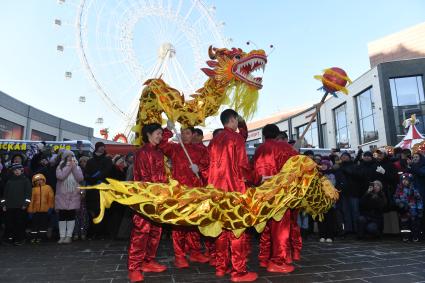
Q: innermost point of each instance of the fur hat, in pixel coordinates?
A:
(37, 177)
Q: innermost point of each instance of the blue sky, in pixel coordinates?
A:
(308, 35)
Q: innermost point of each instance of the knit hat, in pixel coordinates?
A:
(379, 183)
(16, 166)
(97, 145)
(406, 176)
(368, 153)
(345, 153)
(327, 163)
(67, 153)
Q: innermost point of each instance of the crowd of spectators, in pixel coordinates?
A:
(41, 197)
(375, 188)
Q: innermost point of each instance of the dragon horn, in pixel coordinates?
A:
(211, 52)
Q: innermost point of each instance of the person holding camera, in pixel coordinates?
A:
(372, 204)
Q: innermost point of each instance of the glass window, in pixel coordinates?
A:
(40, 136)
(341, 127)
(366, 117)
(10, 130)
(311, 138)
(407, 96)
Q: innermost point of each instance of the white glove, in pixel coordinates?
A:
(170, 125)
(264, 178)
(195, 169)
(381, 170)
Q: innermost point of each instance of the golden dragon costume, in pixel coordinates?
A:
(298, 185)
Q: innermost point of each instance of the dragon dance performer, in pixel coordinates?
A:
(275, 242)
(186, 174)
(229, 168)
(145, 236)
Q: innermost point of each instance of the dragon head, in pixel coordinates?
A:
(236, 65)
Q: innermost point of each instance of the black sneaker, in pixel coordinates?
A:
(18, 243)
(405, 240)
(415, 240)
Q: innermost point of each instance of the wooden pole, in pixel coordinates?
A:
(313, 117)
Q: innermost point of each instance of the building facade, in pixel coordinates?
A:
(370, 116)
(20, 121)
(379, 101)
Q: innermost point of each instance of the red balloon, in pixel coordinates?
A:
(334, 78)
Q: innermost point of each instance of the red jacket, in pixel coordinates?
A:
(270, 156)
(229, 166)
(149, 165)
(180, 164)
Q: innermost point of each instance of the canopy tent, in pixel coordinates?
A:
(413, 136)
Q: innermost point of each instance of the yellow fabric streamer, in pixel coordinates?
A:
(297, 185)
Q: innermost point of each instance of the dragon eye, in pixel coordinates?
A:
(238, 57)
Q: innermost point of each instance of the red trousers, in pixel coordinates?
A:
(186, 240)
(210, 246)
(281, 240)
(230, 249)
(144, 241)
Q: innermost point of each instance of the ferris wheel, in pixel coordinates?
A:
(122, 43)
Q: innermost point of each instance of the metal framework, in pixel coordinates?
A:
(106, 32)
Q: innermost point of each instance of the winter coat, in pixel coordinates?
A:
(345, 179)
(98, 168)
(365, 173)
(68, 200)
(17, 192)
(409, 202)
(418, 171)
(372, 206)
(42, 199)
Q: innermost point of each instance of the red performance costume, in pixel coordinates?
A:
(145, 236)
(229, 168)
(186, 238)
(279, 239)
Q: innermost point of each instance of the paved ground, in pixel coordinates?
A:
(351, 261)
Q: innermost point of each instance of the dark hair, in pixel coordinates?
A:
(192, 129)
(217, 131)
(227, 114)
(397, 150)
(282, 135)
(149, 129)
(406, 151)
(309, 152)
(270, 131)
(198, 131)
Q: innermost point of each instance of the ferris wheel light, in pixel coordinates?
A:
(59, 48)
(68, 75)
(61, 1)
(82, 99)
(58, 22)
(99, 121)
